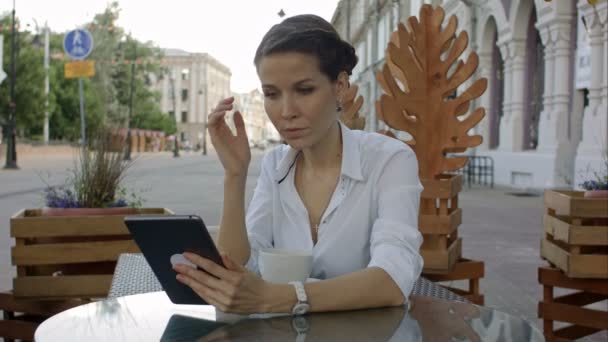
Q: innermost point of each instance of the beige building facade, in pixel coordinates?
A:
(251, 105)
(546, 119)
(190, 87)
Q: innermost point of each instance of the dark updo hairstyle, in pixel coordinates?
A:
(310, 34)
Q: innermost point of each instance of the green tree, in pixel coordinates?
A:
(29, 82)
(106, 95)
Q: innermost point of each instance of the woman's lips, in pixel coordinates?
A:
(293, 132)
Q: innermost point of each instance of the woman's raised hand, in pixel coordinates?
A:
(233, 150)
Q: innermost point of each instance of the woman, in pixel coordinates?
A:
(350, 197)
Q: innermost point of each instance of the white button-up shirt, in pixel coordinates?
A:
(371, 219)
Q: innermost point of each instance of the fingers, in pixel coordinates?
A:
(223, 107)
(210, 266)
(200, 277)
(227, 100)
(211, 296)
(215, 118)
(239, 123)
(220, 111)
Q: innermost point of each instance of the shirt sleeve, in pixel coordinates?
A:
(259, 215)
(395, 238)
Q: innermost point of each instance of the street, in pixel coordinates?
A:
(502, 230)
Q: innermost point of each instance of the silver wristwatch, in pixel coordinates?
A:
(302, 305)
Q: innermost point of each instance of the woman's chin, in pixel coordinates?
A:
(297, 144)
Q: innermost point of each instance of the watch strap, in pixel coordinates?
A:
(300, 292)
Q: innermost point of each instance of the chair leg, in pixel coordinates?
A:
(8, 316)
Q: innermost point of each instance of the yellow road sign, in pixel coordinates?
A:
(79, 69)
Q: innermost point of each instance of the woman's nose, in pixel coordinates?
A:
(289, 109)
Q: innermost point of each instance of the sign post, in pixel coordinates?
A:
(78, 44)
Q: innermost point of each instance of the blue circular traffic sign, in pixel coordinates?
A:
(78, 43)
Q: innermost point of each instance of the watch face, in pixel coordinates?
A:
(301, 309)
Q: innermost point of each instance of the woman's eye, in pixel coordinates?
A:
(306, 90)
(269, 94)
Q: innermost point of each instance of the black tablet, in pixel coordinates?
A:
(162, 239)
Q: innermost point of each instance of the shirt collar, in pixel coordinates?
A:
(351, 157)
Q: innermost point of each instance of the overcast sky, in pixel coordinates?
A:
(229, 30)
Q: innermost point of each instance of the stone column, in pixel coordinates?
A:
(511, 127)
(548, 85)
(485, 70)
(595, 117)
(504, 141)
(554, 118)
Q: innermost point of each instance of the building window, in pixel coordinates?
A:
(172, 114)
(184, 95)
(184, 116)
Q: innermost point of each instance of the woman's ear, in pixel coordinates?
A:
(342, 84)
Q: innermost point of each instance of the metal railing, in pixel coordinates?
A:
(479, 170)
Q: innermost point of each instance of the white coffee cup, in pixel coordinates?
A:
(284, 265)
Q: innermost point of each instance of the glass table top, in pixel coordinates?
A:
(152, 317)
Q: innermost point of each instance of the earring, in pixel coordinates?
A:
(339, 107)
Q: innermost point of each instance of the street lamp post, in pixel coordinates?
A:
(130, 115)
(172, 81)
(11, 148)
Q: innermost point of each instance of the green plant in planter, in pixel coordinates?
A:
(96, 179)
(601, 177)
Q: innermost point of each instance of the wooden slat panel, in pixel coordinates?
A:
(17, 330)
(463, 269)
(85, 286)
(65, 253)
(434, 242)
(68, 226)
(574, 332)
(572, 203)
(572, 314)
(575, 265)
(554, 277)
(8, 302)
(575, 235)
(437, 261)
(588, 266)
(446, 187)
(580, 298)
(440, 224)
(41, 226)
(554, 254)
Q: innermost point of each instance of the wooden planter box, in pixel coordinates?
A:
(438, 222)
(576, 234)
(68, 256)
(464, 269)
(21, 317)
(571, 308)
